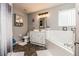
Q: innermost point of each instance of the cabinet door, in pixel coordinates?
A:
(37, 37)
(42, 37)
(32, 36)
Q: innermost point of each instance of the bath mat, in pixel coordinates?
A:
(16, 54)
(43, 53)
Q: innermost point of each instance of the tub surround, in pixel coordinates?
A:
(64, 39)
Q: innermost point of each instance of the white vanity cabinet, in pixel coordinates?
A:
(37, 37)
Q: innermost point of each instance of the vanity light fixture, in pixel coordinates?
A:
(42, 15)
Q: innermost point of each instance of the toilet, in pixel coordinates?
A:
(25, 39)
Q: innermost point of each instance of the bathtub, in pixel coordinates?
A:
(63, 39)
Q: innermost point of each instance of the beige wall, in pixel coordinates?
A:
(52, 20)
(20, 30)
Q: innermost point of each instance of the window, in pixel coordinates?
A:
(67, 17)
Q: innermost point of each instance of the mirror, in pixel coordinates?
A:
(18, 20)
(42, 23)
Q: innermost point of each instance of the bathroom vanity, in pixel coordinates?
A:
(37, 37)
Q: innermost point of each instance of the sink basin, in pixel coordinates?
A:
(39, 30)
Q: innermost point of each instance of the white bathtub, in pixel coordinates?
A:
(63, 39)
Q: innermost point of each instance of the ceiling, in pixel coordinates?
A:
(33, 7)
